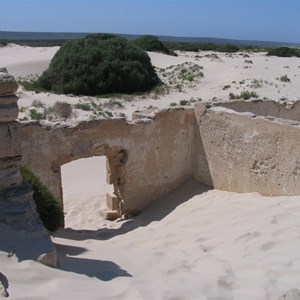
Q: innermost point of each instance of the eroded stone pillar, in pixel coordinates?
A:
(17, 208)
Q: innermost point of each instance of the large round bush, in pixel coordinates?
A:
(99, 64)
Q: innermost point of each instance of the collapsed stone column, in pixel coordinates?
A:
(27, 237)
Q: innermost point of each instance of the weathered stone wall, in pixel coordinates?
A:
(275, 109)
(150, 157)
(17, 208)
(243, 153)
(146, 159)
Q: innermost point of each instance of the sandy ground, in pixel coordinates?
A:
(193, 244)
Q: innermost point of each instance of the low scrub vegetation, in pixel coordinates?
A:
(184, 102)
(284, 52)
(62, 110)
(284, 78)
(3, 43)
(152, 43)
(84, 106)
(37, 104)
(35, 115)
(183, 75)
(38, 111)
(47, 206)
(255, 84)
(31, 85)
(203, 47)
(244, 95)
(112, 103)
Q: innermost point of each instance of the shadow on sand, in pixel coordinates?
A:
(103, 270)
(156, 211)
(5, 284)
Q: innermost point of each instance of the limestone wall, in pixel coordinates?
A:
(17, 208)
(146, 159)
(242, 153)
(150, 157)
(275, 109)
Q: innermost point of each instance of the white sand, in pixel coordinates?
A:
(194, 244)
(22, 61)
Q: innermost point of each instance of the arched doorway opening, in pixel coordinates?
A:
(84, 187)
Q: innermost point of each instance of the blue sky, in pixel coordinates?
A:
(271, 20)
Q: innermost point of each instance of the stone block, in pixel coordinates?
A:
(9, 145)
(112, 201)
(8, 84)
(17, 208)
(49, 259)
(109, 215)
(8, 112)
(107, 166)
(109, 178)
(10, 99)
(10, 172)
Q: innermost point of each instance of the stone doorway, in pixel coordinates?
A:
(84, 188)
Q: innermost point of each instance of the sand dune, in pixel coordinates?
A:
(195, 243)
(228, 73)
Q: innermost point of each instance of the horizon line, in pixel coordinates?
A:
(157, 35)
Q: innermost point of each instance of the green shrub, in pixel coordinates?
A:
(122, 115)
(83, 106)
(47, 206)
(35, 115)
(37, 104)
(244, 95)
(99, 64)
(184, 46)
(284, 52)
(152, 43)
(62, 109)
(247, 95)
(284, 78)
(226, 86)
(255, 84)
(283, 99)
(3, 43)
(227, 48)
(184, 102)
(31, 86)
(113, 103)
(203, 47)
(109, 113)
(233, 96)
